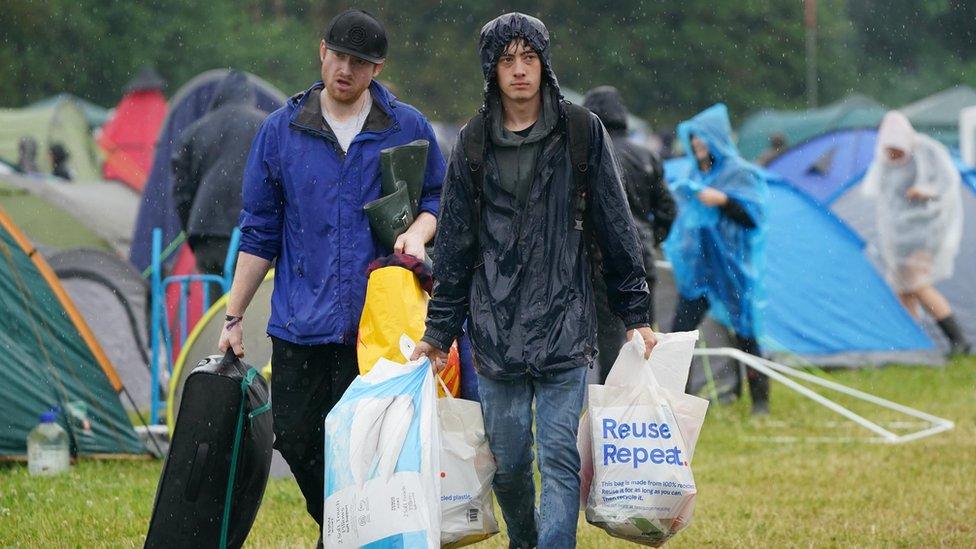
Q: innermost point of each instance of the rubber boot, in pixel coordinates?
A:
(958, 345)
(390, 216)
(759, 391)
(758, 382)
(407, 163)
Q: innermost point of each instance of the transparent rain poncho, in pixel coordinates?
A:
(918, 238)
(712, 255)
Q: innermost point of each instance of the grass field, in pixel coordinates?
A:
(752, 492)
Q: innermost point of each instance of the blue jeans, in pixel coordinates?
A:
(507, 407)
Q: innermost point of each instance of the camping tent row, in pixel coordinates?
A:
(830, 169)
(52, 359)
(825, 299)
(825, 303)
(936, 115)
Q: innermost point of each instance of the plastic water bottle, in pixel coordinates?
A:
(47, 447)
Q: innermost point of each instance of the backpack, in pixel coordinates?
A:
(578, 134)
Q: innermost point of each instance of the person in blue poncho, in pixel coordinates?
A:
(716, 243)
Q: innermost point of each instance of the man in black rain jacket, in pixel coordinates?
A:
(511, 258)
(208, 169)
(651, 205)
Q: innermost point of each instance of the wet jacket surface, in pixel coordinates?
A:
(208, 164)
(524, 275)
(303, 207)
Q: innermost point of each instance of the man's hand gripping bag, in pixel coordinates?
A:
(636, 441)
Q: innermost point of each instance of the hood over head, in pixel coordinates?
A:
(499, 32)
(606, 103)
(234, 89)
(713, 126)
(895, 132)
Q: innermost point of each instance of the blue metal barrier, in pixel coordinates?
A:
(161, 337)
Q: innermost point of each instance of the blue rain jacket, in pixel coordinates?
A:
(303, 207)
(711, 254)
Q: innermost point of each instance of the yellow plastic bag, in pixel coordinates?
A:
(396, 305)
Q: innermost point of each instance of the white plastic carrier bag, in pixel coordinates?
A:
(637, 438)
(382, 484)
(467, 470)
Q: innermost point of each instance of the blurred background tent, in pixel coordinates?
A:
(57, 214)
(59, 122)
(824, 301)
(96, 115)
(187, 105)
(854, 111)
(128, 138)
(113, 298)
(52, 359)
(938, 114)
(830, 168)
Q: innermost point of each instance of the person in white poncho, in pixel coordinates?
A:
(917, 188)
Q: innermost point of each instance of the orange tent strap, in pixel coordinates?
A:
(69, 307)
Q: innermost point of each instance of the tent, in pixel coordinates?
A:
(96, 115)
(824, 165)
(59, 122)
(190, 103)
(51, 358)
(128, 139)
(855, 111)
(839, 185)
(202, 342)
(54, 213)
(938, 114)
(113, 298)
(827, 315)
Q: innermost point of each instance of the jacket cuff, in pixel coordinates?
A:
(258, 251)
(438, 339)
(638, 325)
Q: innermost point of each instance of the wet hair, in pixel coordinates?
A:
(514, 44)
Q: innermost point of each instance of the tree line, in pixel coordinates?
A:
(669, 58)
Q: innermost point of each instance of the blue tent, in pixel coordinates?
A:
(189, 104)
(824, 299)
(824, 165)
(836, 185)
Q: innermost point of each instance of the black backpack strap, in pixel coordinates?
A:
(578, 132)
(474, 155)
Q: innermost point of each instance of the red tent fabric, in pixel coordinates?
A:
(129, 137)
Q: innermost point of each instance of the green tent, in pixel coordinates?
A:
(96, 115)
(855, 111)
(60, 122)
(45, 223)
(51, 358)
(938, 114)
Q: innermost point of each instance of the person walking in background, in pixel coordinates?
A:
(920, 215)
(208, 167)
(651, 207)
(529, 177)
(716, 243)
(313, 166)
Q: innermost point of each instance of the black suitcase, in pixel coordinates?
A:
(224, 413)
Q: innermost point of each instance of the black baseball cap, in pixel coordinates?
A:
(359, 34)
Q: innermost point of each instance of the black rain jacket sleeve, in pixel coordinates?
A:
(616, 235)
(456, 248)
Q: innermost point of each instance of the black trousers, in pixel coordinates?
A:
(306, 382)
(689, 314)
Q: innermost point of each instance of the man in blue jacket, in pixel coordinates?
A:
(313, 165)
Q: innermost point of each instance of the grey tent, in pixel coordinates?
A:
(114, 300)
